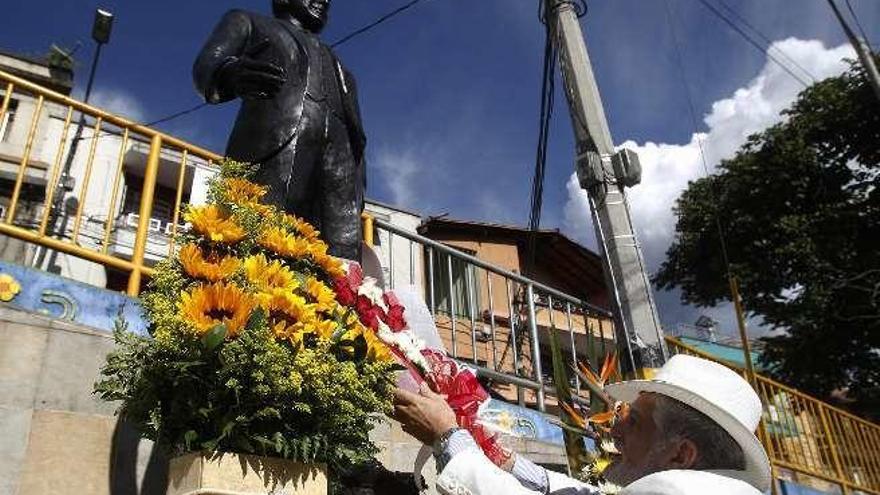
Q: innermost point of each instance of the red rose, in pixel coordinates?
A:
(390, 299)
(394, 319)
(369, 313)
(355, 275)
(345, 294)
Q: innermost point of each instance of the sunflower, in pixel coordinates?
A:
(267, 275)
(207, 306)
(330, 264)
(9, 287)
(215, 224)
(377, 351)
(280, 242)
(289, 314)
(323, 296)
(212, 267)
(300, 226)
(245, 193)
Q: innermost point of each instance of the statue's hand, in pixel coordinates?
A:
(248, 77)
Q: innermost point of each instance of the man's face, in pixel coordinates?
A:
(311, 13)
(637, 438)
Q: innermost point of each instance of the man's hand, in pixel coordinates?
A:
(426, 415)
(248, 77)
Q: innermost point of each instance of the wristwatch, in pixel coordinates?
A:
(441, 448)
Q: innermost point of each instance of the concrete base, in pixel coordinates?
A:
(229, 474)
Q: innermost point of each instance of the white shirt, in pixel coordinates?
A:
(471, 473)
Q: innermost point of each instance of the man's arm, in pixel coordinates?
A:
(227, 66)
(461, 463)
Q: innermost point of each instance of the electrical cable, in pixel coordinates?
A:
(858, 24)
(766, 39)
(548, 87)
(693, 114)
(375, 23)
(344, 39)
(754, 43)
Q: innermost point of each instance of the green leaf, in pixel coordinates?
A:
(214, 337)
(360, 348)
(256, 320)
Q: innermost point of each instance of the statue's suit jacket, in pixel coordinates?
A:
(265, 126)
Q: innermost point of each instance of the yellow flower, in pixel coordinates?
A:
(212, 268)
(300, 226)
(377, 351)
(323, 296)
(282, 243)
(324, 329)
(207, 306)
(246, 193)
(243, 191)
(215, 224)
(267, 275)
(289, 314)
(330, 264)
(9, 287)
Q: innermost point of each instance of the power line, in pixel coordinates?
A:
(375, 23)
(693, 114)
(548, 90)
(754, 43)
(766, 39)
(344, 39)
(858, 24)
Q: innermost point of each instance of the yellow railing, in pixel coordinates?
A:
(49, 109)
(807, 438)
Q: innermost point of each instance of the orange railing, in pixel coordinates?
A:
(808, 441)
(44, 156)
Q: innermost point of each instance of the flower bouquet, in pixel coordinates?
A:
(251, 349)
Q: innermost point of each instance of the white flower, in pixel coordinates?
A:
(371, 290)
(410, 345)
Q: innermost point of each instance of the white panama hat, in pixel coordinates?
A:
(719, 393)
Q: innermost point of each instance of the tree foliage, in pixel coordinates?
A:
(799, 207)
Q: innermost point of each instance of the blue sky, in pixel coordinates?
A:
(449, 92)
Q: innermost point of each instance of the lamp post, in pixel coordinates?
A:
(101, 29)
(102, 26)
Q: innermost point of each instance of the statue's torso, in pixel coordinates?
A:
(265, 125)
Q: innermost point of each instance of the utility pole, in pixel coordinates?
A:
(605, 174)
(862, 49)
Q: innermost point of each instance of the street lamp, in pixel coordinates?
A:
(102, 26)
(101, 29)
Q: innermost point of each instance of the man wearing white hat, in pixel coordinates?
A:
(690, 430)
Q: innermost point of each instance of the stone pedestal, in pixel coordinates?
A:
(233, 474)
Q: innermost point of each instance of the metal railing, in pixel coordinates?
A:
(809, 440)
(493, 319)
(51, 117)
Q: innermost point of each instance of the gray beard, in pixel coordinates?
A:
(623, 473)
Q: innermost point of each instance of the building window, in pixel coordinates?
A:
(163, 201)
(8, 120)
(463, 292)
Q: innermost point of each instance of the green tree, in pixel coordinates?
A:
(799, 206)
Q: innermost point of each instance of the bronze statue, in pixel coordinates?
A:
(299, 117)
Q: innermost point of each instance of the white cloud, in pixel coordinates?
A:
(399, 170)
(119, 102)
(667, 168)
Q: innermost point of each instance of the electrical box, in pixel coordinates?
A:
(627, 169)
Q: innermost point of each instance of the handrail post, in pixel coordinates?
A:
(832, 445)
(146, 209)
(368, 228)
(536, 347)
